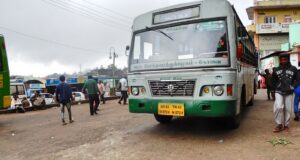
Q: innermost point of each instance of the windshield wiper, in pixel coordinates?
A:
(157, 30)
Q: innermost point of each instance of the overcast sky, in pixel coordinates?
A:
(48, 36)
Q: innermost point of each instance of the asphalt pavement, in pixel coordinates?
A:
(117, 134)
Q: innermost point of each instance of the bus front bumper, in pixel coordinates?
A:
(192, 108)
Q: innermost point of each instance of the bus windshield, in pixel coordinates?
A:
(17, 89)
(202, 44)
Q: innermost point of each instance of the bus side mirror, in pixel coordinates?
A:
(127, 50)
(239, 50)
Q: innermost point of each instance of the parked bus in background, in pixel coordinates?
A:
(193, 60)
(5, 98)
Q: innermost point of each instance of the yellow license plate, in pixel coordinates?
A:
(171, 109)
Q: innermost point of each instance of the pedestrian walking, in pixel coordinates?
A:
(123, 86)
(284, 79)
(267, 76)
(296, 103)
(64, 97)
(91, 86)
(107, 89)
(101, 91)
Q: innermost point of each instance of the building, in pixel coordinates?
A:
(292, 47)
(271, 20)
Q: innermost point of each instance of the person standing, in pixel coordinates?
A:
(297, 99)
(284, 79)
(107, 89)
(101, 91)
(296, 103)
(267, 77)
(91, 86)
(124, 88)
(64, 97)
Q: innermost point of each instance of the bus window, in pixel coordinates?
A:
(13, 90)
(17, 89)
(21, 90)
(222, 47)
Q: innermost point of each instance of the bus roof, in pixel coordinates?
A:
(220, 9)
(16, 84)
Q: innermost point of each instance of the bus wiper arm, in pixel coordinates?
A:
(157, 30)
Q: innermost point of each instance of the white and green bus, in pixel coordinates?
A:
(192, 59)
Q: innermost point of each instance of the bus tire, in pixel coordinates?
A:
(234, 122)
(163, 119)
(243, 99)
(255, 88)
(251, 102)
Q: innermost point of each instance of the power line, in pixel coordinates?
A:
(49, 41)
(97, 5)
(87, 10)
(81, 13)
(112, 17)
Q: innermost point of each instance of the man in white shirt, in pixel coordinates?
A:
(17, 104)
(101, 90)
(124, 88)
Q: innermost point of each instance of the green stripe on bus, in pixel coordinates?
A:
(198, 108)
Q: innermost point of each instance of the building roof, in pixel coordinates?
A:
(276, 53)
(250, 10)
(33, 81)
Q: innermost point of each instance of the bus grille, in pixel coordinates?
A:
(172, 88)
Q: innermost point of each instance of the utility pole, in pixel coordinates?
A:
(79, 69)
(113, 55)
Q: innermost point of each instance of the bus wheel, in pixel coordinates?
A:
(251, 102)
(234, 122)
(163, 119)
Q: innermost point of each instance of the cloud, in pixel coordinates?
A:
(40, 35)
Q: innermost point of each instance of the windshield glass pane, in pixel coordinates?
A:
(13, 90)
(21, 90)
(202, 44)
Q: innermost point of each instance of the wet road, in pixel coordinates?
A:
(117, 134)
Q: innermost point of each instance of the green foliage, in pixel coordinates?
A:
(280, 141)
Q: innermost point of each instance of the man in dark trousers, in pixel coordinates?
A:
(284, 80)
(91, 86)
(267, 77)
(123, 86)
(64, 97)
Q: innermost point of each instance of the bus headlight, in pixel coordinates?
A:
(135, 91)
(218, 90)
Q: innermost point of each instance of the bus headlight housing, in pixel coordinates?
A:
(206, 89)
(135, 91)
(138, 90)
(143, 90)
(218, 90)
